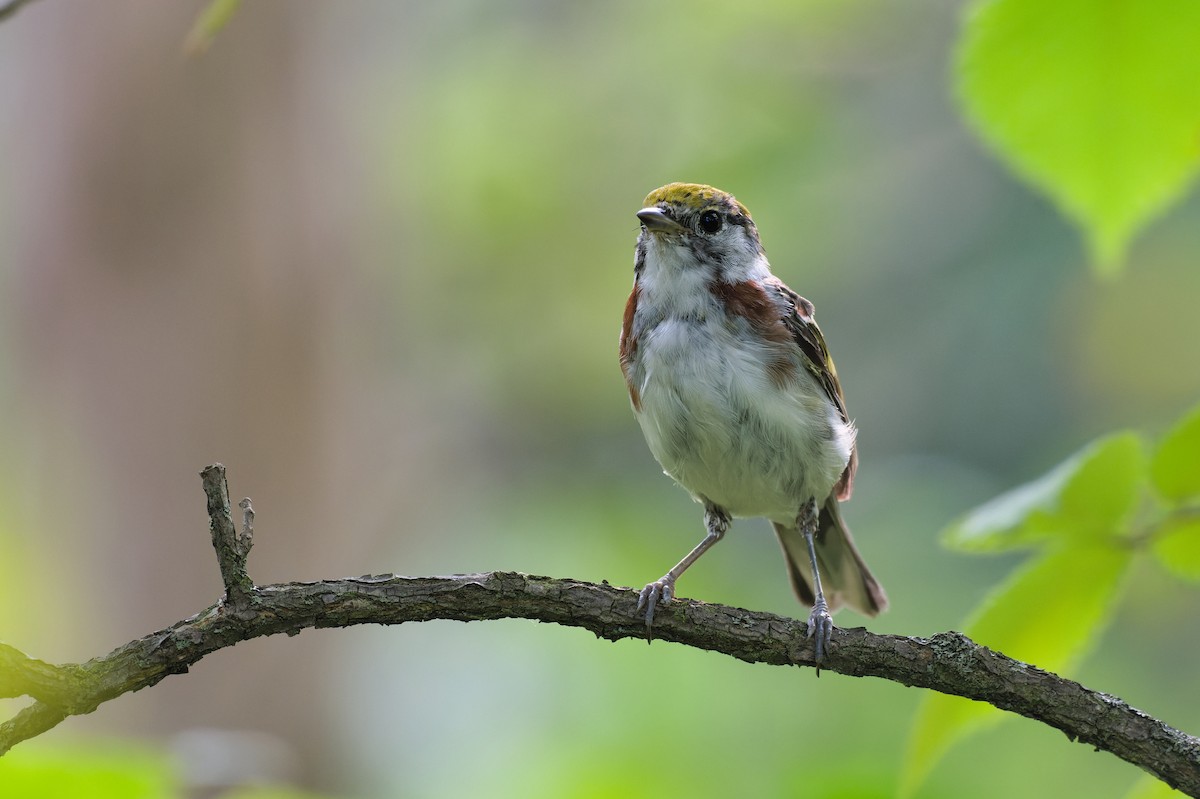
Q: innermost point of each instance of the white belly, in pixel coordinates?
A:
(724, 431)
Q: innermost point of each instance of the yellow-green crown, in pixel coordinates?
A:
(694, 196)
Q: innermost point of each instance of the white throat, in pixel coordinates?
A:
(673, 284)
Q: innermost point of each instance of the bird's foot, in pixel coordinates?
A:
(820, 627)
(659, 592)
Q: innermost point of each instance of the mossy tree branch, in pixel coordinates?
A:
(947, 662)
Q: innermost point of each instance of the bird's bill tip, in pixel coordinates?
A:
(657, 220)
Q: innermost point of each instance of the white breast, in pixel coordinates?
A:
(724, 431)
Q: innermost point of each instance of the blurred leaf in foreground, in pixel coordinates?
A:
(1175, 469)
(1095, 103)
(1152, 788)
(108, 772)
(1177, 546)
(1092, 494)
(212, 20)
(1047, 614)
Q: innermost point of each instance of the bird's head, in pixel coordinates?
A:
(690, 223)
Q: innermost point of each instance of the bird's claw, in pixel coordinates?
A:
(820, 627)
(661, 591)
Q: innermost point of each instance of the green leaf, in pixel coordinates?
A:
(1048, 613)
(1177, 546)
(1103, 495)
(1095, 102)
(212, 20)
(1175, 469)
(97, 772)
(1091, 494)
(1152, 788)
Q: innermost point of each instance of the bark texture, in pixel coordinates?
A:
(948, 662)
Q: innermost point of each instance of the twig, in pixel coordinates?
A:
(247, 538)
(232, 549)
(947, 662)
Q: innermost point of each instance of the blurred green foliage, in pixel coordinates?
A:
(1081, 499)
(1173, 469)
(108, 771)
(1090, 516)
(1095, 103)
(97, 772)
(1150, 788)
(1175, 472)
(215, 16)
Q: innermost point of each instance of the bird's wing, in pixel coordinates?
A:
(799, 321)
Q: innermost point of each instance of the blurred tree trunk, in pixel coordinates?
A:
(178, 287)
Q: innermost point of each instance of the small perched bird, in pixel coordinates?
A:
(734, 389)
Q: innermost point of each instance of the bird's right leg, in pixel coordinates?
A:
(662, 590)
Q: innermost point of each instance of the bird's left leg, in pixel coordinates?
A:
(716, 520)
(820, 621)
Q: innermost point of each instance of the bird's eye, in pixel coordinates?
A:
(710, 221)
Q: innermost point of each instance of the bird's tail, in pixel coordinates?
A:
(845, 578)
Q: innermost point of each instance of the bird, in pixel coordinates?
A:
(732, 384)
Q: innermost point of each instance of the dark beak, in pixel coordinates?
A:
(656, 220)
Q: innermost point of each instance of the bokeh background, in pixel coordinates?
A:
(372, 256)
